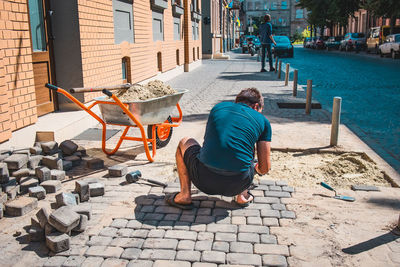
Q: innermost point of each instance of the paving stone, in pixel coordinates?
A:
(190, 212)
(270, 213)
(168, 209)
(267, 200)
(271, 249)
(64, 219)
(248, 237)
(204, 211)
(119, 223)
(274, 260)
(277, 194)
(205, 219)
(220, 246)
(182, 226)
(67, 165)
(75, 250)
(154, 216)
(198, 228)
(243, 258)
(74, 261)
(275, 188)
(253, 229)
(75, 160)
(140, 263)
(51, 186)
(20, 174)
(158, 254)
(49, 148)
(125, 242)
(156, 233)
(187, 218)
(181, 234)
(82, 188)
(205, 236)
(241, 247)
(207, 204)
(238, 220)
(270, 222)
(268, 239)
(144, 201)
(191, 256)
(287, 214)
(95, 164)
(12, 192)
(4, 173)
(220, 212)
(142, 233)
(223, 220)
(225, 204)
(204, 264)
(109, 231)
(134, 224)
(83, 222)
(56, 261)
(96, 189)
(37, 192)
(229, 237)
(164, 263)
(124, 232)
(159, 243)
(57, 175)
(48, 229)
(222, 228)
(83, 210)
(149, 224)
(213, 257)
(117, 171)
(92, 262)
(21, 206)
(112, 262)
(36, 234)
(186, 245)
(257, 193)
(99, 241)
(281, 183)
(131, 253)
(278, 206)
(68, 147)
(27, 183)
(104, 251)
(35, 150)
(3, 198)
(203, 245)
(148, 208)
(52, 162)
(16, 161)
(43, 174)
(288, 189)
(34, 161)
(57, 242)
(254, 221)
(65, 199)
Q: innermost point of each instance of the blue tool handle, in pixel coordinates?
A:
(327, 186)
(106, 92)
(52, 87)
(155, 182)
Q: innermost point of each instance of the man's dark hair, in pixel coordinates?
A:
(267, 18)
(250, 96)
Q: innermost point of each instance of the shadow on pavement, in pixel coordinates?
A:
(256, 76)
(387, 202)
(370, 244)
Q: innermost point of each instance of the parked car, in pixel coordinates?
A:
(307, 39)
(377, 36)
(353, 41)
(310, 42)
(333, 42)
(319, 43)
(391, 46)
(283, 47)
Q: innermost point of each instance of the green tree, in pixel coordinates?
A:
(384, 8)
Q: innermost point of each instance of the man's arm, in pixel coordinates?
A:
(272, 39)
(264, 157)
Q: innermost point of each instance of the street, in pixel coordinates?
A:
(370, 90)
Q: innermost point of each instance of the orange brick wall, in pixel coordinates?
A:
(17, 91)
(189, 42)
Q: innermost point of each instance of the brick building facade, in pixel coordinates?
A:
(87, 43)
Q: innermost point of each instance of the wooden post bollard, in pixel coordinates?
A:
(337, 106)
(276, 64)
(295, 77)
(287, 74)
(309, 97)
(279, 69)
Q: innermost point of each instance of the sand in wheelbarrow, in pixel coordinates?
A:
(152, 89)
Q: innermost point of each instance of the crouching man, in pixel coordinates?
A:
(225, 163)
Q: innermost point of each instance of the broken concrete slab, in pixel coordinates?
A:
(16, 161)
(117, 171)
(96, 189)
(68, 147)
(43, 174)
(49, 148)
(362, 187)
(38, 192)
(64, 219)
(65, 199)
(57, 242)
(82, 224)
(21, 206)
(82, 188)
(52, 162)
(57, 175)
(43, 217)
(27, 183)
(36, 234)
(34, 161)
(4, 173)
(51, 186)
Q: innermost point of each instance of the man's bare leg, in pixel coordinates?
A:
(184, 197)
(244, 197)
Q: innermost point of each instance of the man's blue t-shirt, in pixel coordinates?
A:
(265, 33)
(231, 133)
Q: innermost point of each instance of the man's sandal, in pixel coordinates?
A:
(248, 201)
(171, 201)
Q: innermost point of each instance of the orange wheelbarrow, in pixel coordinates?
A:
(155, 113)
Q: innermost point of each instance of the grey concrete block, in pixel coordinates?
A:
(222, 228)
(281, 183)
(362, 187)
(49, 229)
(267, 200)
(203, 245)
(27, 183)
(76, 161)
(92, 262)
(77, 199)
(95, 164)
(23, 151)
(181, 234)
(104, 251)
(241, 247)
(159, 243)
(49, 148)
(186, 245)
(270, 222)
(254, 221)
(96, 189)
(125, 242)
(83, 210)
(38, 192)
(246, 212)
(100, 241)
(51, 186)
(4, 173)
(274, 260)
(278, 206)
(271, 249)
(83, 222)
(268, 239)
(74, 261)
(12, 192)
(142, 233)
(119, 223)
(82, 188)
(253, 229)
(21, 206)
(67, 165)
(229, 237)
(131, 253)
(288, 189)
(220, 246)
(52, 162)
(270, 213)
(57, 175)
(170, 263)
(21, 173)
(43, 217)
(64, 219)
(248, 237)
(43, 174)
(205, 264)
(213, 257)
(277, 194)
(12, 182)
(109, 231)
(16, 161)
(205, 236)
(56, 261)
(191, 256)
(156, 233)
(65, 199)
(57, 242)
(124, 232)
(68, 147)
(36, 234)
(117, 171)
(243, 259)
(204, 219)
(140, 263)
(287, 214)
(158, 254)
(3, 198)
(35, 150)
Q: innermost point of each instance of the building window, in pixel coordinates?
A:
(126, 70)
(37, 25)
(284, 5)
(177, 28)
(274, 6)
(299, 14)
(123, 21)
(158, 26)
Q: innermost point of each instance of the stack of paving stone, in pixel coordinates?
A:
(38, 171)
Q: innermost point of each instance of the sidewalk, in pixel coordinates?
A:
(132, 226)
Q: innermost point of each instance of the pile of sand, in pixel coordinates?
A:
(303, 169)
(152, 89)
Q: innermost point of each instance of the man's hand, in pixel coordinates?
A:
(264, 157)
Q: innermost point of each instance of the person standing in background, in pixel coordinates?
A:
(267, 40)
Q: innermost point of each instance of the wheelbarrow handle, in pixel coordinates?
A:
(52, 87)
(106, 92)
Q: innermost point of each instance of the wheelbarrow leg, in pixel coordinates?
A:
(118, 144)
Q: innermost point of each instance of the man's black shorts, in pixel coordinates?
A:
(212, 181)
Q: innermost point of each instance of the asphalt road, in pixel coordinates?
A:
(370, 91)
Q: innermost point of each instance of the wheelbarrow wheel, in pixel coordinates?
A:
(163, 134)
